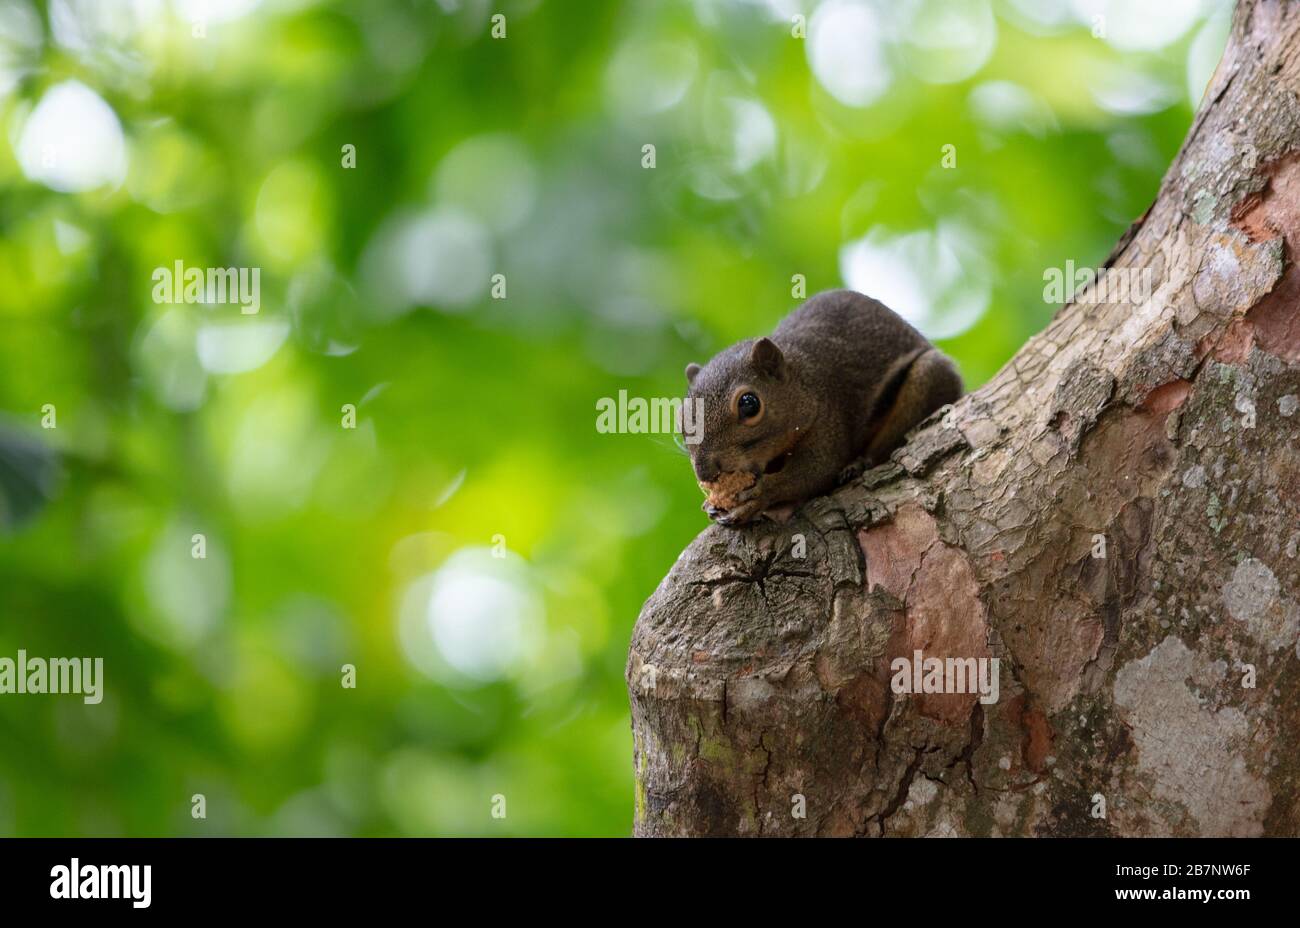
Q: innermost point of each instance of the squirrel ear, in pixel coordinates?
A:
(767, 358)
(691, 370)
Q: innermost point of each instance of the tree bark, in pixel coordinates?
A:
(1115, 517)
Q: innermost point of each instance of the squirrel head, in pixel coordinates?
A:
(755, 411)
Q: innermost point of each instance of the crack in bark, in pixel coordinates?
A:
(972, 745)
(881, 818)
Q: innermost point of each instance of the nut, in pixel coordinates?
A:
(724, 491)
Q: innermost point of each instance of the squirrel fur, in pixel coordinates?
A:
(831, 392)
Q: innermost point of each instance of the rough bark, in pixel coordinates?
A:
(1167, 427)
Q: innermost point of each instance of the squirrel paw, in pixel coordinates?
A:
(853, 471)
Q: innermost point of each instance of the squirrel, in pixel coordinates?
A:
(832, 392)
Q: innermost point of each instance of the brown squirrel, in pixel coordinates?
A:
(831, 392)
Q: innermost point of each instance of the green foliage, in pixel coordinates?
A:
(373, 546)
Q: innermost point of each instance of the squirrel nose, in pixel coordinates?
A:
(707, 469)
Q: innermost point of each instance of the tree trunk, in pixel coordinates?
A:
(1115, 517)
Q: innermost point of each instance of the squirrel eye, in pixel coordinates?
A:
(748, 406)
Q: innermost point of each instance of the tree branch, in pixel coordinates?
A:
(760, 680)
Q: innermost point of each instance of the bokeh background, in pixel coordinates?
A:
(137, 133)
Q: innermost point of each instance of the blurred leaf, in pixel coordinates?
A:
(28, 475)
